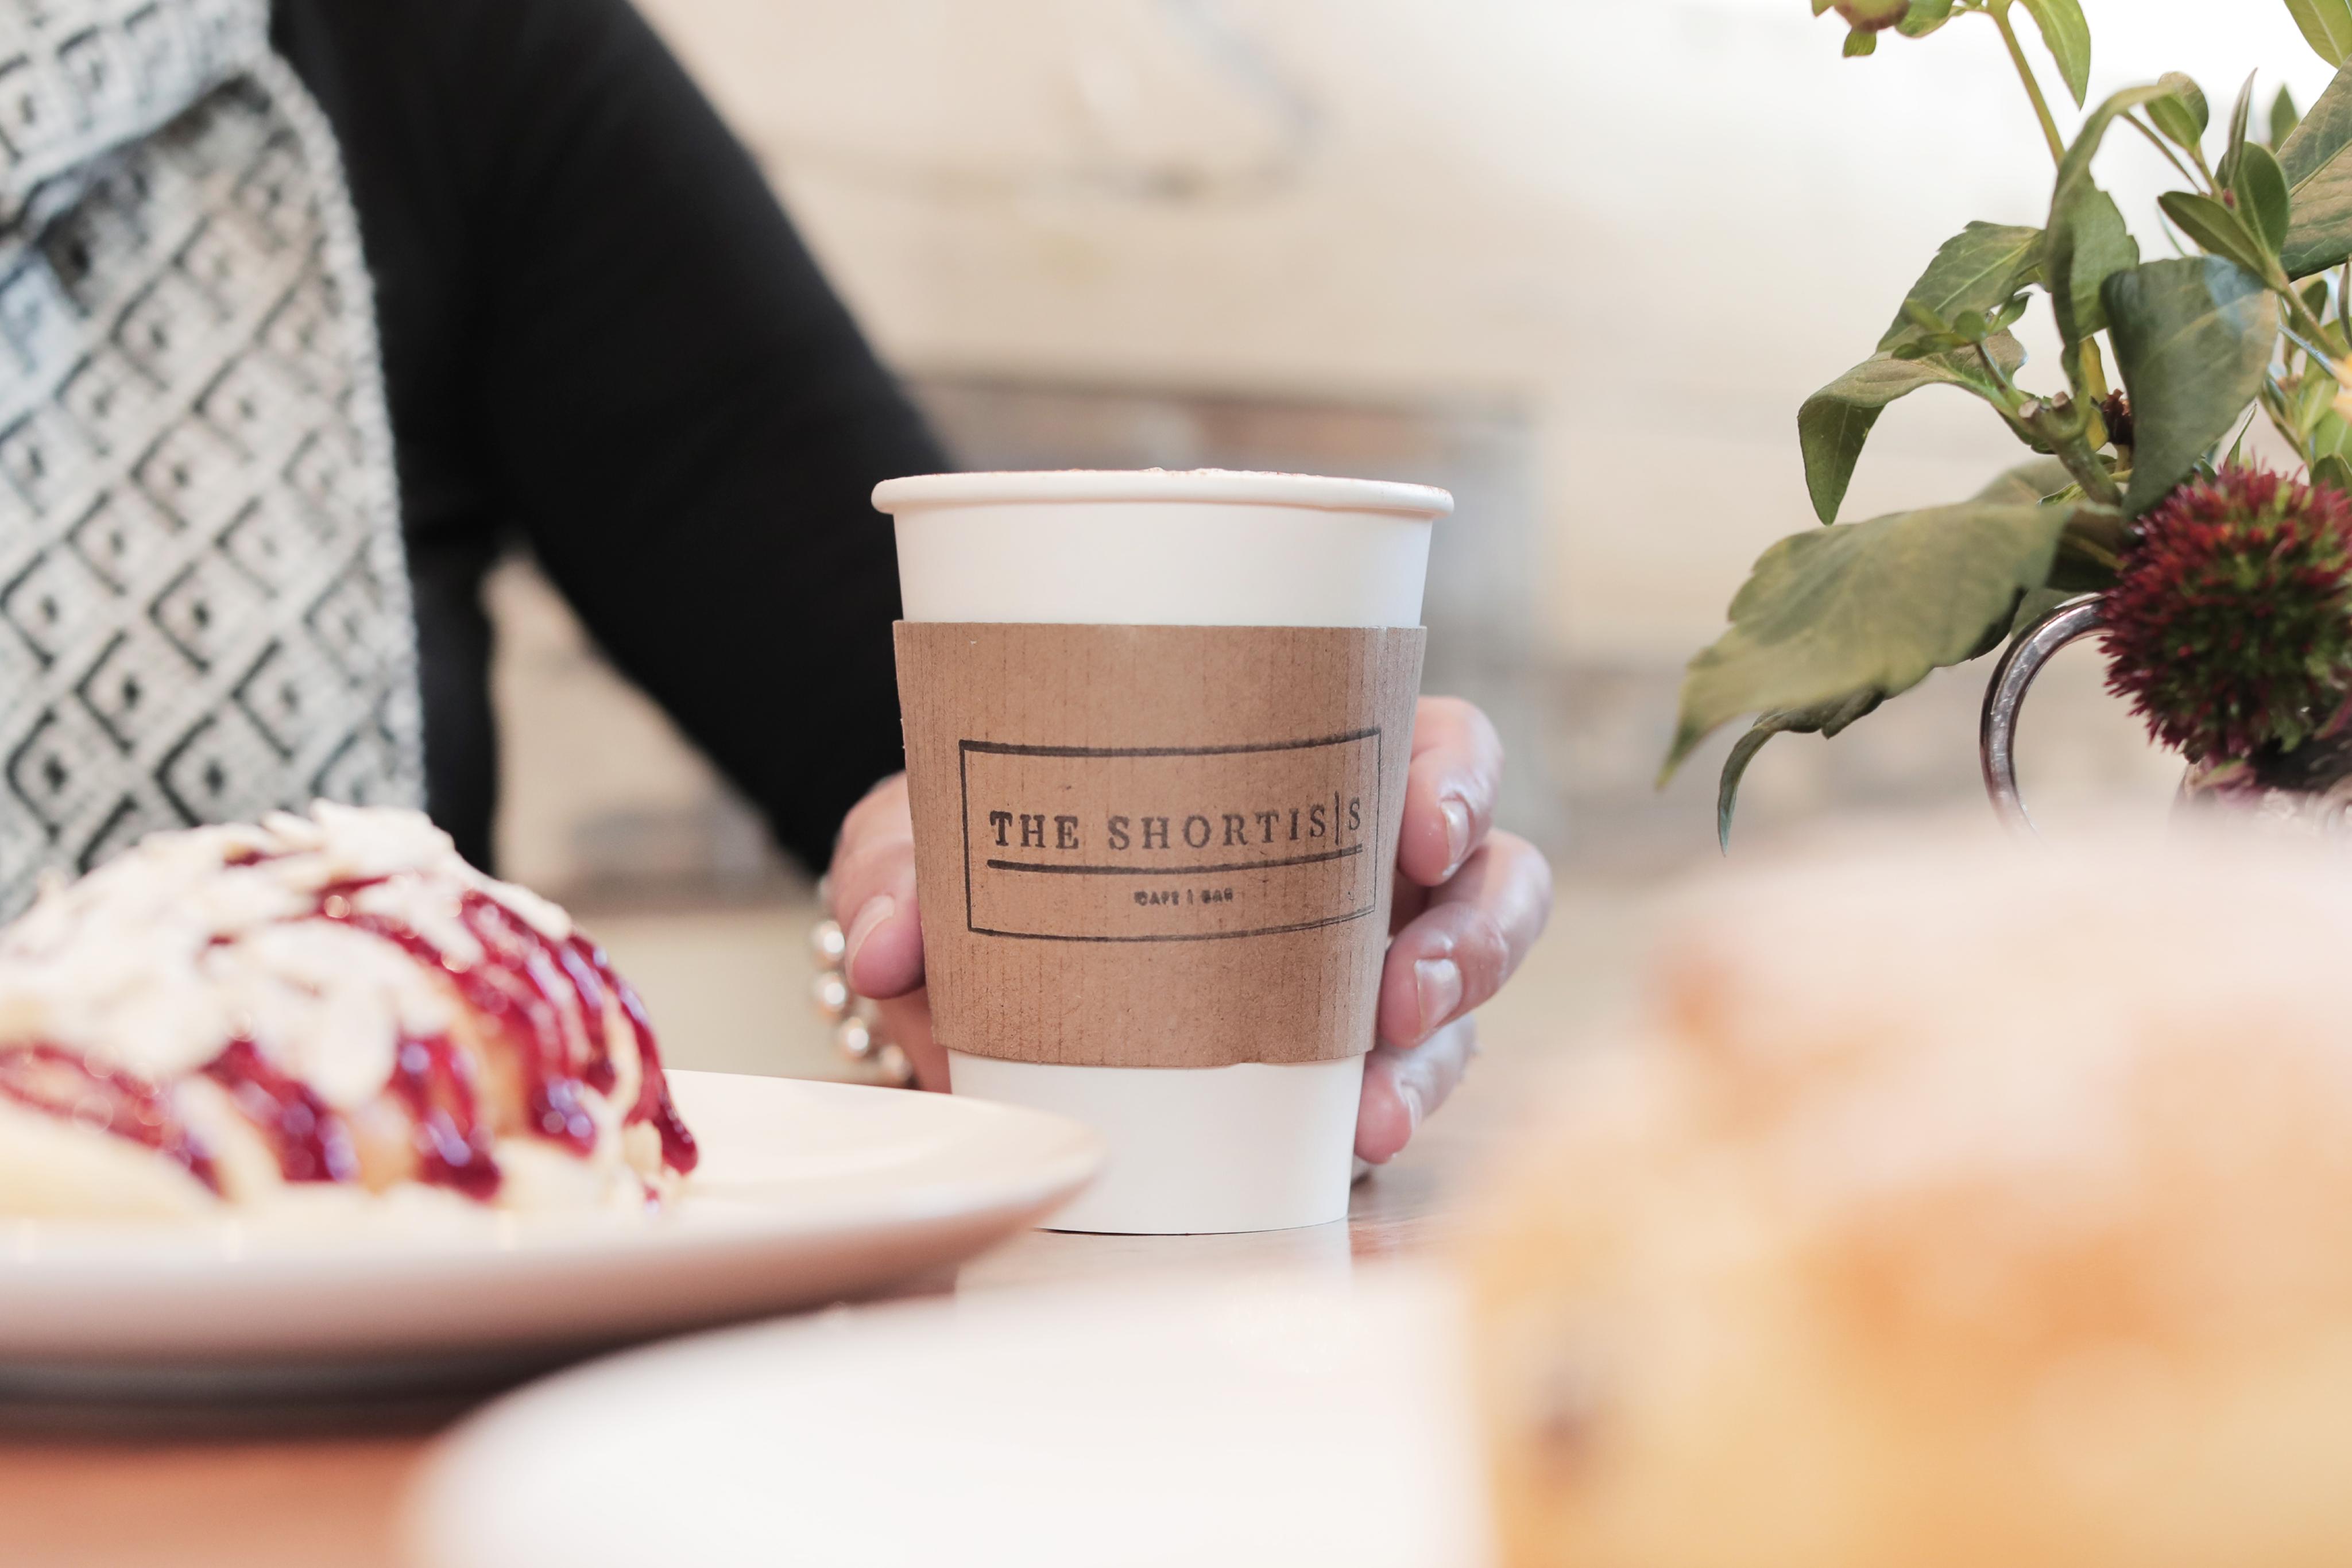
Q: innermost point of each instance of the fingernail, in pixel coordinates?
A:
(1458, 832)
(1409, 1097)
(1436, 981)
(873, 913)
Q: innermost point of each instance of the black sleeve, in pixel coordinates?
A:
(680, 415)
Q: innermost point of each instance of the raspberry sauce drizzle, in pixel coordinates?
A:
(520, 988)
(54, 1081)
(654, 1104)
(311, 1142)
(436, 1081)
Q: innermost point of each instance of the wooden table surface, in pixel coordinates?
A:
(144, 1489)
(136, 1490)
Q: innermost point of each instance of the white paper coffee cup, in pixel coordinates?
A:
(1251, 1147)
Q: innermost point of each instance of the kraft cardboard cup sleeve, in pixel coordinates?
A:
(1156, 846)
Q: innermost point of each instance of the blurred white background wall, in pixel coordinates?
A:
(1592, 254)
(1581, 259)
(1658, 223)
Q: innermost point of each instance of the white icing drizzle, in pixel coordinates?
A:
(153, 963)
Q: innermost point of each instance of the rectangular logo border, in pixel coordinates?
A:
(964, 748)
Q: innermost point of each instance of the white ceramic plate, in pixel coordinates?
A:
(807, 1192)
(1253, 1423)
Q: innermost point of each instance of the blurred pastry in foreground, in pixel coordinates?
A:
(311, 1011)
(1957, 1207)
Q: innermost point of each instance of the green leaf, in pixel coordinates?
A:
(1835, 421)
(2333, 471)
(2035, 606)
(1859, 43)
(2087, 244)
(2326, 27)
(2193, 337)
(2284, 117)
(1922, 317)
(2319, 178)
(2182, 116)
(1826, 720)
(2179, 127)
(2067, 34)
(2074, 169)
(2088, 366)
(1864, 611)
(2263, 200)
(2226, 171)
(2238, 447)
(2312, 400)
(2088, 544)
(2090, 549)
(1924, 17)
(2331, 433)
(2041, 480)
(2028, 484)
(1977, 269)
(2218, 229)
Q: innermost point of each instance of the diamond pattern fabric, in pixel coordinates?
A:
(204, 604)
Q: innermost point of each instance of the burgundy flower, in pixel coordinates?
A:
(2229, 625)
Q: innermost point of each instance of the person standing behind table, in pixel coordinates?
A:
(309, 311)
(305, 314)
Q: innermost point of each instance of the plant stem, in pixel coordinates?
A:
(2295, 338)
(2213, 186)
(2179, 247)
(1998, 12)
(2062, 428)
(2303, 325)
(2273, 403)
(2166, 148)
(2010, 396)
(2074, 452)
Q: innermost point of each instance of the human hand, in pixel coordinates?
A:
(1470, 901)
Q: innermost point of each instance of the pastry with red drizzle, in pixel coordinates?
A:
(312, 1010)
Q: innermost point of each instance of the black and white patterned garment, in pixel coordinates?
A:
(204, 604)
